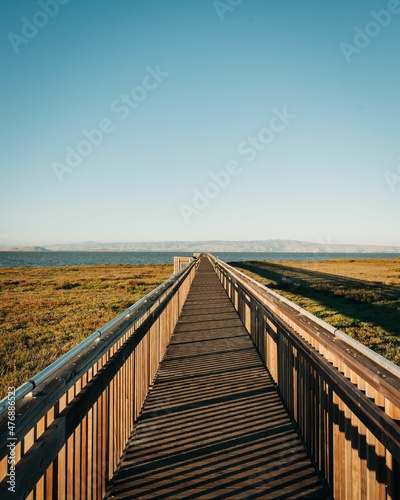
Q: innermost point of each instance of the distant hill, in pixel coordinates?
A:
(223, 246)
(25, 249)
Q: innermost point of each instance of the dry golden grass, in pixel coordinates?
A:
(44, 312)
(360, 297)
(382, 271)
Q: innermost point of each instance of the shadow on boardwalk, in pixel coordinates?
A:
(214, 425)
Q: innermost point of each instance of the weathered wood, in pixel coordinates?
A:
(53, 436)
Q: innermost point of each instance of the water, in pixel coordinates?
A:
(57, 259)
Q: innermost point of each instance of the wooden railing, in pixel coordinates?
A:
(63, 432)
(344, 398)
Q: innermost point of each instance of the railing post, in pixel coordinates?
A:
(393, 465)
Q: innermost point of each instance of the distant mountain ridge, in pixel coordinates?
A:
(214, 246)
(25, 249)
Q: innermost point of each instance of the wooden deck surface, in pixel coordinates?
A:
(214, 426)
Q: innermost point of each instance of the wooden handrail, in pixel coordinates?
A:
(71, 428)
(344, 399)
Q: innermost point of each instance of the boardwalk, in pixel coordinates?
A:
(213, 426)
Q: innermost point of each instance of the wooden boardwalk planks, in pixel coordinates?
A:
(213, 425)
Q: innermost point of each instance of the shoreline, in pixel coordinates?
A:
(87, 258)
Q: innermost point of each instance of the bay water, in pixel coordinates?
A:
(58, 259)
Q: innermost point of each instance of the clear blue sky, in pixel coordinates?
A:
(202, 81)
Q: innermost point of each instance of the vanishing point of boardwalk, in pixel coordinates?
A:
(214, 426)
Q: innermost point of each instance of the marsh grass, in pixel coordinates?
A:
(44, 312)
(361, 297)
